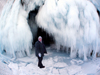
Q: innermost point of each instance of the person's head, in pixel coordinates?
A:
(40, 38)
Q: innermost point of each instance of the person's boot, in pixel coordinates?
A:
(38, 66)
(42, 67)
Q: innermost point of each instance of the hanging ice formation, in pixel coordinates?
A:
(73, 23)
(97, 4)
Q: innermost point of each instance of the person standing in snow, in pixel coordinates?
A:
(39, 51)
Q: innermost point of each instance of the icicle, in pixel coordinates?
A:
(95, 49)
(78, 28)
(73, 52)
(58, 47)
(85, 53)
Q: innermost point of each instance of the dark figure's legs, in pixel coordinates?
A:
(40, 62)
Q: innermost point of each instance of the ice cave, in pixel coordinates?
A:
(72, 24)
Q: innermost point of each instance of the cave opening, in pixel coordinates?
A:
(47, 39)
(37, 31)
(98, 12)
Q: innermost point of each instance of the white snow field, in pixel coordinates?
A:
(56, 63)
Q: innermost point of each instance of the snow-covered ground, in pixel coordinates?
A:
(57, 63)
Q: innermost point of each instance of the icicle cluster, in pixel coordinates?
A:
(73, 23)
(15, 34)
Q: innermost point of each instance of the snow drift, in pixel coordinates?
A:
(73, 23)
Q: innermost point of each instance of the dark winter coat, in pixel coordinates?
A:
(40, 48)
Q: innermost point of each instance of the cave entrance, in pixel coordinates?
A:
(98, 12)
(46, 38)
(36, 31)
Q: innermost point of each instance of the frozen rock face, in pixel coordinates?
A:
(73, 23)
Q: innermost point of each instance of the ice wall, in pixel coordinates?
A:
(29, 5)
(73, 23)
(2, 3)
(96, 3)
(15, 34)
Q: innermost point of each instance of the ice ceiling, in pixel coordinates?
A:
(73, 23)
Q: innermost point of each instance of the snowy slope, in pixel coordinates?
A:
(56, 63)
